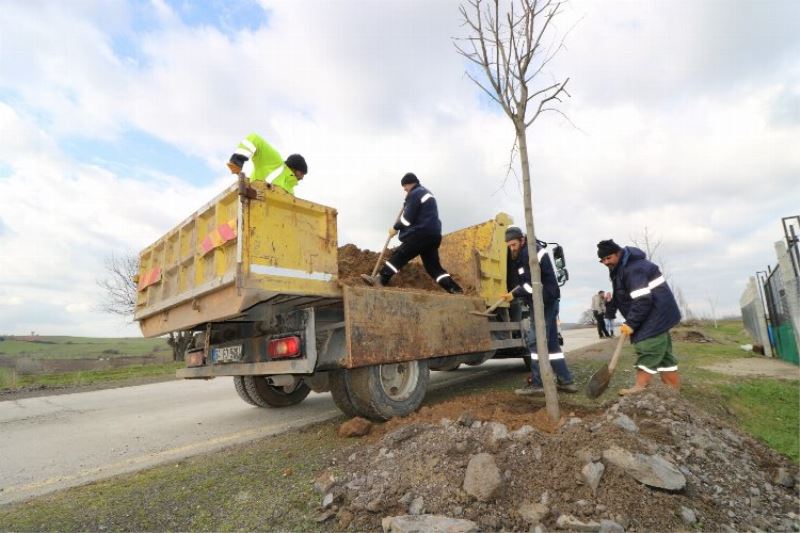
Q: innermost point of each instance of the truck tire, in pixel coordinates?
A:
(340, 393)
(381, 392)
(266, 395)
(238, 384)
(526, 360)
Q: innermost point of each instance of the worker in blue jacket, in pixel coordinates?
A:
(551, 294)
(420, 235)
(646, 302)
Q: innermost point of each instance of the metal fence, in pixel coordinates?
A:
(771, 301)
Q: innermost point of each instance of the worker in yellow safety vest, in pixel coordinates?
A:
(267, 161)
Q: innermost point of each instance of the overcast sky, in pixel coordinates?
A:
(117, 119)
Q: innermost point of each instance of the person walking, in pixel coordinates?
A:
(420, 235)
(518, 248)
(266, 162)
(642, 295)
(610, 314)
(598, 311)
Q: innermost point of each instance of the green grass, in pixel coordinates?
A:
(267, 485)
(75, 347)
(10, 380)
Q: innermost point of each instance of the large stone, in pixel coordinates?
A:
(523, 434)
(402, 434)
(498, 434)
(355, 427)
(571, 523)
(482, 479)
(784, 478)
(650, 470)
(592, 472)
(626, 422)
(533, 513)
(609, 526)
(688, 516)
(427, 522)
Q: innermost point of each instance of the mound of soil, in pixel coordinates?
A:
(417, 465)
(690, 335)
(353, 262)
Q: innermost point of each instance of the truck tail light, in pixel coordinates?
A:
(285, 347)
(194, 358)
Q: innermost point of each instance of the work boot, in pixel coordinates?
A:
(374, 281)
(451, 286)
(530, 390)
(567, 387)
(642, 380)
(671, 379)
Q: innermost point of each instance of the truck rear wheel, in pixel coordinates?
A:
(340, 393)
(381, 392)
(238, 384)
(266, 395)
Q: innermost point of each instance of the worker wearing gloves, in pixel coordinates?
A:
(517, 245)
(420, 235)
(267, 161)
(646, 302)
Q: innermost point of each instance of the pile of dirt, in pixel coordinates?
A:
(690, 335)
(483, 460)
(353, 262)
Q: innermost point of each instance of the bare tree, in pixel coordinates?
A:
(511, 46)
(712, 302)
(650, 244)
(587, 317)
(120, 291)
(119, 285)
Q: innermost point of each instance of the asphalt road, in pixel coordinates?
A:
(54, 442)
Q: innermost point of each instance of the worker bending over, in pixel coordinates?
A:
(420, 235)
(267, 161)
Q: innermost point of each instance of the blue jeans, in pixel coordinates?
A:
(557, 360)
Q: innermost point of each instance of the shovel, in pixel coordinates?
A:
(383, 252)
(490, 310)
(599, 382)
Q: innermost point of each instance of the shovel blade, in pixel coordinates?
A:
(599, 382)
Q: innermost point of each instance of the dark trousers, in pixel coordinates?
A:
(602, 332)
(425, 246)
(556, 355)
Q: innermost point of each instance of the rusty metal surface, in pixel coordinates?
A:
(385, 325)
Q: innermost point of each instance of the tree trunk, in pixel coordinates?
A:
(550, 393)
(179, 341)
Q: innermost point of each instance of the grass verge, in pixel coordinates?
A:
(10, 380)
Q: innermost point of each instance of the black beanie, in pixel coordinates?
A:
(513, 232)
(297, 162)
(409, 178)
(605, 248)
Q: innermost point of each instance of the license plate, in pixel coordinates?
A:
(226, 354)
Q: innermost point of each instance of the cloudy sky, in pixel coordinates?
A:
(117, 119)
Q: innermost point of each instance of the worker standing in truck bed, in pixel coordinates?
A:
(266, 162)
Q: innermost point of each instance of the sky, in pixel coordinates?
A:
(117, 118)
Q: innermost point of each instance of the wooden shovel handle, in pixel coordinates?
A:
(386, 245)
(612, 365)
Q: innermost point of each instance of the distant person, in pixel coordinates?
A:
(420, 235)
(610, 314)
(598, 311)
(266, 161)
(518, 247)
(646, 302)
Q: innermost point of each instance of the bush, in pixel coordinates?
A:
(111, 351)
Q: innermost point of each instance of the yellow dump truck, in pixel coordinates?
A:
(253, 275)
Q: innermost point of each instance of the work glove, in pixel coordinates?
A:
(236, 163)
(625, 329)
(392, 232)
(507, 297)
(234, 168)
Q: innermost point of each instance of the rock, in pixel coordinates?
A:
(482, 479)
(545, 498)
(572, 421)
(466, 419)
(784, 478)
(417, 506)
(571, 523)
(754, 491)
(427, 522)
(585, 455)
(402, 434)
(650, 470)
(325, 516)
(532, 513)
(688, 516)
(457, 510)
(324, 483)
(375, 505)
(476, 425)
(327, 501)
(626, 422)
(537, 453)
(609, 526)
(345, 518)
(355, 427)
(498, 434)
(523, 433)
(592, 473)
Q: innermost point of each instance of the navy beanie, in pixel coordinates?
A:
(409, 178)
(606, 248)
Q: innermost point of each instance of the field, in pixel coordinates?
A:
(268, 485)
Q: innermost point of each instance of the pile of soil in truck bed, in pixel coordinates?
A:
(353, 262)
(486, 459)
